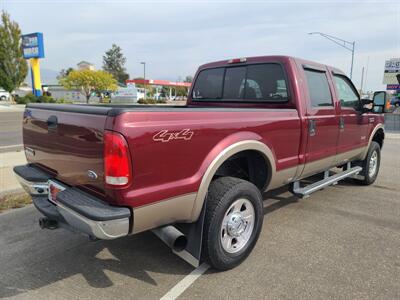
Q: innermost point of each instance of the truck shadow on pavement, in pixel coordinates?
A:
(133, 256)
(279, 197)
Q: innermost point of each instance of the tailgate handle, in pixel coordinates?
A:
(52, 122)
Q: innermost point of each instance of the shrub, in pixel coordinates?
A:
(151, 101)
(30, 98)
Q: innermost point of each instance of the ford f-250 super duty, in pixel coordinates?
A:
(194, 174)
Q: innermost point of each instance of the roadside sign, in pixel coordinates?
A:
(32, 45)
(393, 87)
(392, 69)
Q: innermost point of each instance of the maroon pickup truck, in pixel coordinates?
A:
(195, 174)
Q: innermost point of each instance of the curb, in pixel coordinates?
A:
(392, 135)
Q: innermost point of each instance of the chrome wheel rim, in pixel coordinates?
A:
(373, 164)
(237, 225)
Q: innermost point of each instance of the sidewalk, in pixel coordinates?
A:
(6, 107)
(392, 135)
(8, 160)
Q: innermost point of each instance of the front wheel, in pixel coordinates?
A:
(233, 221)
(371, 164)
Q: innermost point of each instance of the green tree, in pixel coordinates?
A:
(113, 62)
(89, 82)
(13, 67)
(188, 78)
(64, 73)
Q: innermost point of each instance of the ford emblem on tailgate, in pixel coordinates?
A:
(91, 174)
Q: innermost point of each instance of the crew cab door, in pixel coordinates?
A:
(353, 126)
(322, 121)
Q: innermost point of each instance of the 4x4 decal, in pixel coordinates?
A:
(166, 136)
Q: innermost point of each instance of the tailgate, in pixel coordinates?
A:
(68, 144)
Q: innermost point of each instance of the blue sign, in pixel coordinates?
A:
(32, 45)
(393, 87)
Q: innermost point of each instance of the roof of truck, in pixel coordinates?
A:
(266, 58)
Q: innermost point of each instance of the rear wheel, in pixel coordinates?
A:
(371, 164)
(233, 222)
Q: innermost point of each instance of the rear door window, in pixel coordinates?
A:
(318, 88)
(251, 83)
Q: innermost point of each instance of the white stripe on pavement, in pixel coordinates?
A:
(186, 282)
(11, 146)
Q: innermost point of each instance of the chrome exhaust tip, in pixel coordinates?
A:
(172, 237)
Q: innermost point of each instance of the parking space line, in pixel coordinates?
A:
(186, 282)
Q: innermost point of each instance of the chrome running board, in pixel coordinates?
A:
(303, 192)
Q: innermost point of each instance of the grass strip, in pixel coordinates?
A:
(15, 200)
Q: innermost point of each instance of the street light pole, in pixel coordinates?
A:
(144, 78)
(342, 43)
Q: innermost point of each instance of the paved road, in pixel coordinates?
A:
(10, 130)
(341, 243)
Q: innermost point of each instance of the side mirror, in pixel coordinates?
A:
(380, 102)
(367, 105)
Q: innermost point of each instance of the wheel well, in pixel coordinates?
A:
(249, 165)
(379, 136)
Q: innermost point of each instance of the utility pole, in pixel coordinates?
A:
(342, 43)
(144, 77)
(362, 82)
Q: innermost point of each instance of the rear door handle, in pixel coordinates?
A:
(311, 127)
(341, 123)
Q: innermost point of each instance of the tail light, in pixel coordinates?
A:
(117, 164)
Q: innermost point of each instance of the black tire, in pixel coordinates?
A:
(223, 192)
(365, 164)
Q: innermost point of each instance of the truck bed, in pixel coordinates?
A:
(75, 147)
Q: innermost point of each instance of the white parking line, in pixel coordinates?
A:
(11, 146)
(186, 282)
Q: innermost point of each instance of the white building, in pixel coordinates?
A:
(84, 65)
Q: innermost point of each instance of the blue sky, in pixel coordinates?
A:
(175, 37)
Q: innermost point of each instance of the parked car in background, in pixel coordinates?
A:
(4, 96)
(395, 101)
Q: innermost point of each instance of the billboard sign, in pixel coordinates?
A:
(392, 69)
(393, 87)
(32, 45)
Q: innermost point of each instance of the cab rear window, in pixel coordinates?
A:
(251, 83)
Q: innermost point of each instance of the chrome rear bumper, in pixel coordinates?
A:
(33, 188)
(78, 210)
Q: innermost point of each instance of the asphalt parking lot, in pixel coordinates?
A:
(341, 243)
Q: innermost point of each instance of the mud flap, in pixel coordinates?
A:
(194, 234)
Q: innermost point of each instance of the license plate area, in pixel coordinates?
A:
(54, 189)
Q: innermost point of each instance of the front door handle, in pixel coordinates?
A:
(341, 123)
(311, 127)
